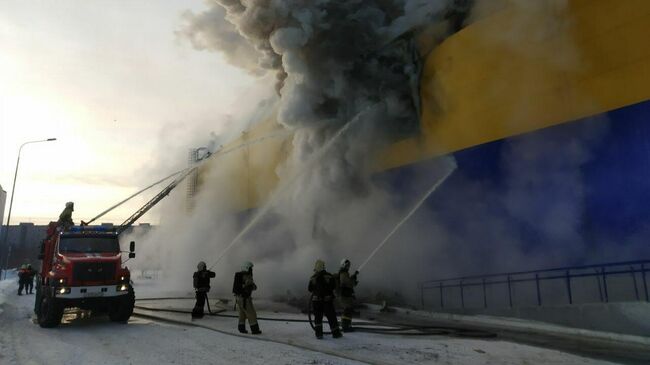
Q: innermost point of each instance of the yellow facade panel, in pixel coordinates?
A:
(593, 18)
(612, 90)
(484, 83)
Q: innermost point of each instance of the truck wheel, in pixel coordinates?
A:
(122, 308)
(51, 311)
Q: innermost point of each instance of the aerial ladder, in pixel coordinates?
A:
(151, 203)
(181, 175)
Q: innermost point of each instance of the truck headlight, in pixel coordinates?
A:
(123, 287)
(61, 281)
(63, 290)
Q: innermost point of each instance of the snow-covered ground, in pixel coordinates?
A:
(375, 348)
(144, 341)
(98, 341)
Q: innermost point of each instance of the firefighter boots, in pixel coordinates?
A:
(255, 329)
(347, 325)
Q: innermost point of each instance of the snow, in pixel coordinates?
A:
(95, 341)
(377, 348)
(6, 286)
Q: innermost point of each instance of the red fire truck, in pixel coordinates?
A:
(82, 267)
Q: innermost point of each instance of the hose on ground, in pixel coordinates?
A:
(409, 330)
(366, 327)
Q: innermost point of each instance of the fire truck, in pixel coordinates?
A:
(83, 267)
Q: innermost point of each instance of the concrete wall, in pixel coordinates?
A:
(625, 317)
(623, 306)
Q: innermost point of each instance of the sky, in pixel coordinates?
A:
(122, 93)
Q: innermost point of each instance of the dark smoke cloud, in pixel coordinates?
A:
(332, 58)
(336, 62)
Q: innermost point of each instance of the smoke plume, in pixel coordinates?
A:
(337, 64)
(354, 65)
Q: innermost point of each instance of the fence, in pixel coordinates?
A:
(620, 281)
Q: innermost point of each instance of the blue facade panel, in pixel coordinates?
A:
(568, 194)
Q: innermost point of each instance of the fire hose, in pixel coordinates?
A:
(407, 330)
(363, 326)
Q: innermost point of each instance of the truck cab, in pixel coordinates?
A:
(82, 267)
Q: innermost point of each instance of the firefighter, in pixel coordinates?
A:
(321, 286)
(29, 279)
(22, 279)
(65, 218)
(201, 287)
(346, 284)
(243, 286)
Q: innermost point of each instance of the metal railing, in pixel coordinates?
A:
(566, 275)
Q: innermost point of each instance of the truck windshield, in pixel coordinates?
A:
(88, 245)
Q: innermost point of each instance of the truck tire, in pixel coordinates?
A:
(122, 308)
(51, 311)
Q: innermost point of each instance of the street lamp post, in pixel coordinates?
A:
(11, 202)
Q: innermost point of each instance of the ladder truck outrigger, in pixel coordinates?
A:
(82, 267)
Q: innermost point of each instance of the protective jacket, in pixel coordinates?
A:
(243, 284)
(30, 273)
(23, 274)
(347, 283)
(322, 285)
(202, 280)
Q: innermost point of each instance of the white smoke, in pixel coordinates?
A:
(199, 29)
(336, 63)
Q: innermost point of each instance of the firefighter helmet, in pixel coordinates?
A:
(201, 266)
(345, 264)
(319, 265)
(247, 265)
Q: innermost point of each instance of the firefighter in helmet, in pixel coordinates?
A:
(321, 286)
(201, 287)
(22, 279)
(65, 218)
(29, 279)
(243, 287)
(346, 284)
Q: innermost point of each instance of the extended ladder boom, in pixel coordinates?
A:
(183, 174)
(151, 203)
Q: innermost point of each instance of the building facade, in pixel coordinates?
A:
(547, 130)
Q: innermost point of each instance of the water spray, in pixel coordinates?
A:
(255, 141)
(417, 206)
(279, 193)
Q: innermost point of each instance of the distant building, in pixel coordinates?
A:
(25, 240)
